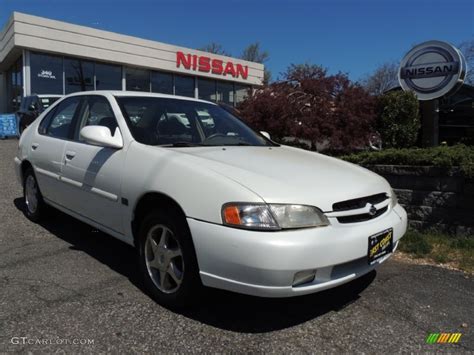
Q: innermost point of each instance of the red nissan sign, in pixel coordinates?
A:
(208, 65)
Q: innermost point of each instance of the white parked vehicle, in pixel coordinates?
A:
(212, 203)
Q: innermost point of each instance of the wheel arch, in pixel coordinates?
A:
(153, 201)
(25, 165)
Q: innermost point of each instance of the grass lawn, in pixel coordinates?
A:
(440, 248)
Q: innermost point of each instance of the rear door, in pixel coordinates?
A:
(91, 175)
(47, 147)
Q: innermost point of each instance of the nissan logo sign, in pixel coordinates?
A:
(432, 69)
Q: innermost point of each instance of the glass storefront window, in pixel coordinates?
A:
(79, 75)
(137, 79)
(15, 85)
(184, 85)
(48, 71)
(225, 92)
(46, 74)
(162, 83)
(207, 89)
(241, 92)
(108, 77)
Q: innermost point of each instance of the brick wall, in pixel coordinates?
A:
(436, 198)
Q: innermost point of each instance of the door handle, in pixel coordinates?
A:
(70, 155)
(34, 146)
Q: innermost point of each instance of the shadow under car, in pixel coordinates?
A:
(218, 308)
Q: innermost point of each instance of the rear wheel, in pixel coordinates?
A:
(32, 197)
(167, 259)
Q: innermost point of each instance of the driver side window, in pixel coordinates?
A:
(96, 112)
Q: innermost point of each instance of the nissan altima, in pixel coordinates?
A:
(205, 199)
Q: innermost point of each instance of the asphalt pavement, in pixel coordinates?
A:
(64, 287)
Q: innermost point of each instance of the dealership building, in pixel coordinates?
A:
(43, 56)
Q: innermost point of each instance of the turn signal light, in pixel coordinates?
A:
(231, 215)
(254, 216)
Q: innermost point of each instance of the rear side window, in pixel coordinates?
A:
(59, 124)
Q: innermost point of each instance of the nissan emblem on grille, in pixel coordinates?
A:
(372, 210)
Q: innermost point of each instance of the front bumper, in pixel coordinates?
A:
(264, 263)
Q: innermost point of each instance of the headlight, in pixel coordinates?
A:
(298, 216)
(394, 199)
(272, 216)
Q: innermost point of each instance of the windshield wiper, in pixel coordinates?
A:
(229, 145)
(240, 143)
(182, 144)
(189, 144)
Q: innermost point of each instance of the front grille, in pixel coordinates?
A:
(361, 217)
(359, 202)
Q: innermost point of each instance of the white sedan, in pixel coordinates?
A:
(206, 203)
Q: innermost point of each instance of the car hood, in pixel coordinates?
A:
(289, 175)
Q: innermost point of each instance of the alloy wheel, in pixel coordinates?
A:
(164, 259)
(31, 194)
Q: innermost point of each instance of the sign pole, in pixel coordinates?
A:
(429, 124)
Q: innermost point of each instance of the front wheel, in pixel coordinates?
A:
(167, 259)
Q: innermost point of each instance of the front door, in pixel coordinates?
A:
(92, 174)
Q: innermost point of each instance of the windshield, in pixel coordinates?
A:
(175, 122)
(47, 101)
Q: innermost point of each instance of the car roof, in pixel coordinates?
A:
(120, 93)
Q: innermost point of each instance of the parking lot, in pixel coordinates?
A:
(64, 287)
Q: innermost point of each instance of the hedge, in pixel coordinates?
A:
(459, 155)
(397, 119)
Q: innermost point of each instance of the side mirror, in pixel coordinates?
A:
(100, 135)
(265, 134)
(31, 108)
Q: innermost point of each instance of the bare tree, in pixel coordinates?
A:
(215, 48)
(382, 79)
(254, 53)
(467, 49)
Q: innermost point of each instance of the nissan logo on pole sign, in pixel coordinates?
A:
(432, 69)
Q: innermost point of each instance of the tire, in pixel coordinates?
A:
(34, 204)
(167, 260)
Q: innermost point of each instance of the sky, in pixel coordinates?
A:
(352, 37)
